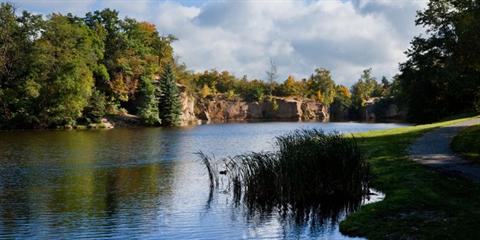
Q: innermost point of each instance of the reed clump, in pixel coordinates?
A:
(308, 168)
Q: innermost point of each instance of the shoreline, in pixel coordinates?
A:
(85, 128)
(420, 203)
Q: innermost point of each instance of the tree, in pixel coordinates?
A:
(18, 90)
(95, 109)
(322, 86)
(272, 75)
(442, 72)
(67, 52)
(169, 100)
(134, 53)
(148, 107)
(385, 87)
(339, 110)
(364, 89)
(290, 87)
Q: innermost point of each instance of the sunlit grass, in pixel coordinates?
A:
(420, 203)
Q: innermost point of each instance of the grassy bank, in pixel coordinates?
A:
(419, 203)
(467, 143)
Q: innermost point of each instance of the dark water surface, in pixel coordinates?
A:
(137, 183)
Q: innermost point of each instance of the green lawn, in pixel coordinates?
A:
(467, 143)
(419, 203)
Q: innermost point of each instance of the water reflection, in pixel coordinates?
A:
(142, 183)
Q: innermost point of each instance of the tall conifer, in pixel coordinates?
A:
(169, 100)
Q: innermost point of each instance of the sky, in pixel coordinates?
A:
(241, 36)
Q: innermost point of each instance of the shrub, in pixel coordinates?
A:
(275, 105)
(230, 95)
(205, 91)
(96, 107)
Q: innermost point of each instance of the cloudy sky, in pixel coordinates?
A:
(344, 36)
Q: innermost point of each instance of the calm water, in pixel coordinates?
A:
(137, 183)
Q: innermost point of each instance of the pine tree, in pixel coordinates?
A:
(169, 100)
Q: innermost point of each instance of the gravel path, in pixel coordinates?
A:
(433, 150)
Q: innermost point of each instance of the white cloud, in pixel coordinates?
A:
(343, 36)
(240, 36)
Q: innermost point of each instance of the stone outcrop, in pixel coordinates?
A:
(124, 120)
(382, 109)
(313, 110)
(188, 109)
(223, 110)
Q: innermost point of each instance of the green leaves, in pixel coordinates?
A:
(441, 74)
(169, 99)
(50, 67)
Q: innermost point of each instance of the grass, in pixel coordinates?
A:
(467, 143)
(309, 170)
(419, 203)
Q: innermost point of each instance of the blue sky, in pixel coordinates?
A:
(240, 36)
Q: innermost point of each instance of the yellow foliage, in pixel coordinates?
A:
(147, 27)
(205, 91)
(230, 94)
(319, 96)
(344, 91)
(290, 82)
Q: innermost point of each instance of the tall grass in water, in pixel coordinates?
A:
(309, 170)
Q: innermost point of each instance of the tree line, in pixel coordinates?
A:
(319, 86)
(65, 70)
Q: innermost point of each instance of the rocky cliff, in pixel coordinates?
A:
(381, 109)
(220, 109)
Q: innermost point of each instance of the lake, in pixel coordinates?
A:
(139, 183)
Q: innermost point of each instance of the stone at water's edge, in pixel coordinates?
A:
(222, 110)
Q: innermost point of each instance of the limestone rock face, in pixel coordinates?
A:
(223, 110)
(383, 109)
(283, 109)
(188, 109)
(312, 110)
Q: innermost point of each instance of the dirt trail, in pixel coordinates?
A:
(433, 150)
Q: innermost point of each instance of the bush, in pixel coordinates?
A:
(230, 95)
(96, 107)
(476, 104)
(309, 168)
(205, 91)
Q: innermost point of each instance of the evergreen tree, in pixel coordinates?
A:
(169, 100)
(148, 102)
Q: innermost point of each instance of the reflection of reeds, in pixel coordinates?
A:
(211, 169)
(309, 170)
